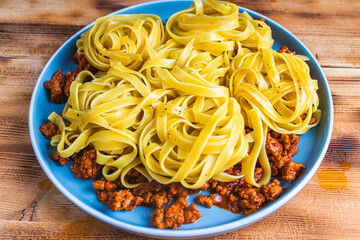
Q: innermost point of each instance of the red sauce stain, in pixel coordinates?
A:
(334, 179)
(45, 185)
(344, 165)
(79, 229)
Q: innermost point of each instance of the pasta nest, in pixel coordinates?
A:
(108, 113)
(216, 26)
(186, 70)
(121, 38)
(192, 139)
(280, 86)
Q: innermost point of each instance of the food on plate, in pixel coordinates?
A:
(156, 112)
(121, 38)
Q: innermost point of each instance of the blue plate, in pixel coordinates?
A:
(312, 147)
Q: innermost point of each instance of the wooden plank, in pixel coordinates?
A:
(41, 39)
(329, 29)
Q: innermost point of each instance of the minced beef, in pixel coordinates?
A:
(83, 63)
(59, 84)
(157, 195)
(104, 185)
(159, 199)
(291, 170)
(123, 200)
(56, 85)
(118, 200)
(70, 77)
(251, 199)
(258, 173)
(55, 156)
(134, 176)
(205, 200)
(234, 170)
(176, 189)
(191, 214)
(158, 218)
(272, 190)
(151, 194)
(273, 146)
(285, 49)
(312, 119)
(239, 196)
(103, 189)
(175, 215)
(85, 165)
(280, 148)
(49, 130)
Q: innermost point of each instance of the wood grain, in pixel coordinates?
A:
(31, 208)
(329, 28)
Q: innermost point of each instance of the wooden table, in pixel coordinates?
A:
(31, 208)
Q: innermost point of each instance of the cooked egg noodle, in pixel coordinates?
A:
(121, 38)
(192, 139)
(217, 27)
(108, 113)
(280, 86)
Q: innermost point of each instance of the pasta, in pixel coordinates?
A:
(187, 70)
(121, 38)
(280, 86)
(102, 112)
(217, 27)
(211, 128)
(174, 105)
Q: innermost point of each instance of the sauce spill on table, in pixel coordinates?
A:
(333, 179)
(45, 185)
(77, 229)
(344, 165)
